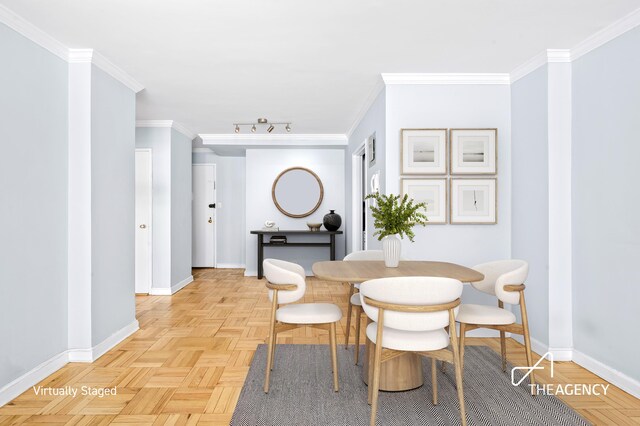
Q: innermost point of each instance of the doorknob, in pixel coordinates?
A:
(210, 220)
(143, 226)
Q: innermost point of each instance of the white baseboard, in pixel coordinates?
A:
(613, 376)
(230, 266)
(92, 354)
(50, 366)
(559, 354)
(182, 284)
(30, 378)
(165, 291)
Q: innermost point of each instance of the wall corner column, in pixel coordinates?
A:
(560, 245)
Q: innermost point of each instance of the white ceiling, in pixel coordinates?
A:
(209, 63)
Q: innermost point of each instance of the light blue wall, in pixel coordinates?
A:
(230, 206)
(454, 106)
(606, 229)
(262, 167)
(112, 205)
(530, 193)
(180, 207)
(33, 205)
(374, 121)
(231, 211)
(159, 140)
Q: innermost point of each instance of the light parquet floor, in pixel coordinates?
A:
(187, 363)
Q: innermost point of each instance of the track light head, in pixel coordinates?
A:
(253, 128)
(270, 128)
(237, 130)
(262, 120)
(288, 128)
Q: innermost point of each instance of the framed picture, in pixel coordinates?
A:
(371, 149)
(424, 151)
(473, 201)
(430, 191)
(473, 151)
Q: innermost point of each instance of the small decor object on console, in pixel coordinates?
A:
(395, 216)
(278, 239)
(332, 221)
(314, 227)
(270, 225)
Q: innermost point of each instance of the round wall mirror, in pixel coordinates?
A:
(297, 192)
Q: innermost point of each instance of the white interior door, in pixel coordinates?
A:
(204, 215)
(144, 191)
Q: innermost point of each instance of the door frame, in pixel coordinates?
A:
(215, 201)
(150, 225)
(356, 203)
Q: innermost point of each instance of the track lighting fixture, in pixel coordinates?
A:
(270, 127)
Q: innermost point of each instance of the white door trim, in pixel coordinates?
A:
(356, 188)
(150, 226)
(215, 200)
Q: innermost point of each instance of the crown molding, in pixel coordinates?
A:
(529, 66)
(558, 55)
(280, 139)
(445, 78)
(169, 124)
(80, 56)
(41, 38)
(542, 58)
(606, 34)
(373, 95)
(33, 33)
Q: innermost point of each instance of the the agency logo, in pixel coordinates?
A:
(553, 388)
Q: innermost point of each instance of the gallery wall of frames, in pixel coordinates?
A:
(453, 171)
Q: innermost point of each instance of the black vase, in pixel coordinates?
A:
(332, 221)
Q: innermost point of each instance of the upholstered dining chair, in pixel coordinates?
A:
(505, 280)
(354, 298)
(410, 314)
(286, 284)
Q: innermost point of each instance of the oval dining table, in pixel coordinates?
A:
(403, 372)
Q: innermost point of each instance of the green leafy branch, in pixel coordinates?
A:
(395, 215)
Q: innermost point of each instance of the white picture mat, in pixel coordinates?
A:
(424, 151)
(473, 151)
(431, 191)
(474, 201)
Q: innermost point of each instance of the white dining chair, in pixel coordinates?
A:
(503, 279)
(354, 298)
(410, 314)
(287, 284)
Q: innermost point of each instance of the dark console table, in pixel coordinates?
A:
(262, 244)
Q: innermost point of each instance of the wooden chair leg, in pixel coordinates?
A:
(463, 332)
(458, 366)
(503, 343)
(434, 381)
(358, 311)
(443, 365)
(273, 348)
(272, 340)
(377, 360)
(349, 309)
(334, 355)
(527, 339)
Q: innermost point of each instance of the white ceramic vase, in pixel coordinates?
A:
(391, 250)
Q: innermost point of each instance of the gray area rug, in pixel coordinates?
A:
(301, 393)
